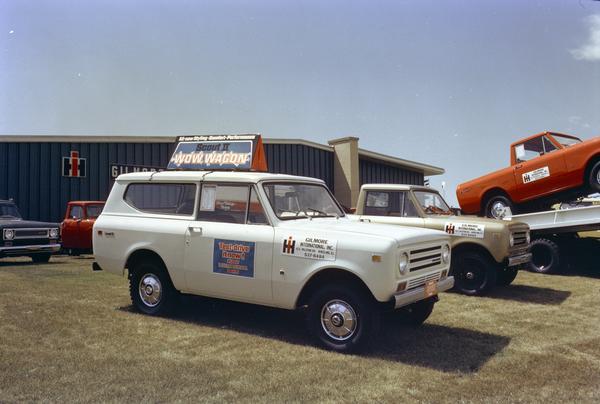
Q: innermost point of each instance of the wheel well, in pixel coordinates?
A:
(588, 167)
(144, 255)
(464, 247)
(490, 193)
(326, 276)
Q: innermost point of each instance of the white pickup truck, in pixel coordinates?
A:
(268, 239)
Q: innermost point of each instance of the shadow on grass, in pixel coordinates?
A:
(582, 258)
(530, 294)
(438, 347)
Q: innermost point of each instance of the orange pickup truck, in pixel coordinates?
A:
(545, 168)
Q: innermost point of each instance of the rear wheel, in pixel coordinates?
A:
(474, 272)
(506, 275)
(594, 177)
(40, 258)
(342, 318)
(151, 289)
(495, 206)
(545, 256)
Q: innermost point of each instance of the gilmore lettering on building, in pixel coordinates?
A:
(43, 173)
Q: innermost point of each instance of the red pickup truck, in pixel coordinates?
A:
(545, 168)
(76, 228)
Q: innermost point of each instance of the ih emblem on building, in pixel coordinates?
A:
(73, 166)
(289, 245)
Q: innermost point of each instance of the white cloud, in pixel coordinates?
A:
(591, 49)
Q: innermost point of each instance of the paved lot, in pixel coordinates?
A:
(68, 334)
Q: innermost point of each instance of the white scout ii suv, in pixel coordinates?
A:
(268, 239)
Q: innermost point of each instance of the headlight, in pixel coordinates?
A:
(446, 253)
(403, 263)
(53, 233)
(511, 240)
(9, 234)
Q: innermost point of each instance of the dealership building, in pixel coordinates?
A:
(42, 173)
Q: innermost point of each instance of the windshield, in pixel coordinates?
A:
(432, 203)
(300, 201)
(566, 141)
(94, 211)
(9, 211)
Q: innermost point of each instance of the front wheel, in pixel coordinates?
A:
(474, 272)
(151, 289)
(342, 318)
(496, 205)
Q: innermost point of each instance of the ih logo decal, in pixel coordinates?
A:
(450, 228)
(73, 166)
(289, 245)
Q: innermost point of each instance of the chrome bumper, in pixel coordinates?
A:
(414, 295)
(30, 249)
(519, 259)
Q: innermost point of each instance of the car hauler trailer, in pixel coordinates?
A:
(554, 231)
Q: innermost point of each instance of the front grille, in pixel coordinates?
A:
(425, 258)
(31, 233)
(29, 241)
(422, 280)
(520, 238)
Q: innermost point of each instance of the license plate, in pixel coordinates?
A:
(430, 288)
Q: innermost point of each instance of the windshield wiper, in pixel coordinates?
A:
(321, 213)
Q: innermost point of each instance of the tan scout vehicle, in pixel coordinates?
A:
(485, 252)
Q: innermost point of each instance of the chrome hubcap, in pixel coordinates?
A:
(470, 275)
(598, 177)
(497, 209)
(150, 290)
(338, 320)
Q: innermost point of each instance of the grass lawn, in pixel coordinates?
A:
(68, 334)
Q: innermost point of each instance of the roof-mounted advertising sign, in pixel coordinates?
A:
(219, 152)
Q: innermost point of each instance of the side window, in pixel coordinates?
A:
(256, 213)
(223, 203)
(93, 211)
(548, 145)
(166, 199)
(530, 149)
(76, 212)
(385, 203)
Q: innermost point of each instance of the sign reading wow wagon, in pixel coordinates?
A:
(220, 152)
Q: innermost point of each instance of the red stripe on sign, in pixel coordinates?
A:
(75, 164)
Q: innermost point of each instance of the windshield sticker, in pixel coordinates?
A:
(465, 229)
(208, 198)
(536, 175)
(233, 258)
(310, 247)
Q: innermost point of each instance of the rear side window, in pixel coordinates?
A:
(166, 199)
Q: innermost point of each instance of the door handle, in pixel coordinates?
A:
(195, 229)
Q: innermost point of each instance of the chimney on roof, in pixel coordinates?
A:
(345, 170)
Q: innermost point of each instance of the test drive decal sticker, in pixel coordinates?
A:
(233, 257)
(314, 248)
(465, 229)
(536, 175)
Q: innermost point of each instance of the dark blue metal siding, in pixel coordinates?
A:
(298, 159)
(31, 173)
(378, 173)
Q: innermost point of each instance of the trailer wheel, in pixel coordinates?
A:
(594, 178)
(545, 256)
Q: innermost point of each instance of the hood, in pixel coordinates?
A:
(25, 224)
(346, 226)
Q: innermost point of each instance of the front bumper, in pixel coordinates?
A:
(416, 294)
(30, 249)
(519, 259)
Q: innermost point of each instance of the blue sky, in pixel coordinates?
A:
(449, 83)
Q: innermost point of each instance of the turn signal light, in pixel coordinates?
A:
(401, 287)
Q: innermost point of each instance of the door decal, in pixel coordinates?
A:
(233, 257)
